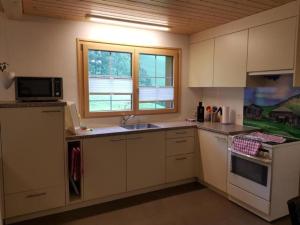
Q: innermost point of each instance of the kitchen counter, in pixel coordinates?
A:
(226, 129)
(117, 130)
(16, 104)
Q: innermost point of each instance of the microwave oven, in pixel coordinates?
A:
(38, 88)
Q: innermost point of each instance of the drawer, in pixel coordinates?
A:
(180, 133)
(34, 201)
(180, 167)
(180, 146)
(249, 199)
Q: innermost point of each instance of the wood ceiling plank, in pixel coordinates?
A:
(160, 10)
(122, 15)
(184, 16)
(81, 14)
(104, 9)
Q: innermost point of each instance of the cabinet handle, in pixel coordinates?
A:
(181, 141)
(115, 140)
(221, 138)
(134, 138)
(36, 195)
(181, 158)
(181, 132)
(51, 111)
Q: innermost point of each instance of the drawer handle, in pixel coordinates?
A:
(115, 140)
(221, 138)
(181, 132)
(181, 158)
(51, 111)
(181, 141)
(134, 138)
(36, 195)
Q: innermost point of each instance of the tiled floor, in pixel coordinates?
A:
(185, 205)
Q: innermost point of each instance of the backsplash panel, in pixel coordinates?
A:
(275, 108)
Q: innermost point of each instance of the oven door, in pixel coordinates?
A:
(250, 174)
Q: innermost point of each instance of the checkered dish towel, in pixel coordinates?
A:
(246, 145)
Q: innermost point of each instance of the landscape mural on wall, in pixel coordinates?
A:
(275, 108)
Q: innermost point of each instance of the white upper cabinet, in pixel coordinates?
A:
(201, 64)
(230, 60)
(272, 46)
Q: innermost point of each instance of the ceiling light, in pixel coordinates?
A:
(128, 23)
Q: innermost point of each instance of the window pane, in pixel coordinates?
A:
(110, 81)
(121, 105)
(156, 83)
(156, 105)
(121, 64)
(100, 106)
(109, 64)
(121, 97)
(98, 63)
(99, 85)
(147, 82)
(147, 65)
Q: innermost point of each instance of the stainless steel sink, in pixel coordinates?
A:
(140, 126)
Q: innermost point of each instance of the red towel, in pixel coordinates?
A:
(75, 170)
(246, 145)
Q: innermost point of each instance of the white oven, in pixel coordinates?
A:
(251, 174)
(264, 183)
(249, 178)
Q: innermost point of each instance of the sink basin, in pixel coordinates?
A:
(141, 126)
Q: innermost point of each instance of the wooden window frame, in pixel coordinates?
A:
(82, 58)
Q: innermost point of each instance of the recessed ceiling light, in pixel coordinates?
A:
(128, 23)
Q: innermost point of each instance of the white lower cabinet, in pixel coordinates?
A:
(180, 167)
(104, 164)
(213, 149)
(145, 160)
(32, 141)
(180, 148)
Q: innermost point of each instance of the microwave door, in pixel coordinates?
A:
(35, 87)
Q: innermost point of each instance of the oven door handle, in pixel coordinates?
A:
(251, 158)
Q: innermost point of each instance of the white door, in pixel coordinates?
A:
(213, 148)
(104, 163)
(201, 64)
(145, 160)
(272, 46)
(230, 60)
(32, 147)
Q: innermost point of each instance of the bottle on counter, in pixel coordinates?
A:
(200, 113)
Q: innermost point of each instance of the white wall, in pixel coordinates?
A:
(232, 97)
(45, 47)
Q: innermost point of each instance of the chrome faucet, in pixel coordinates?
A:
(124, 119)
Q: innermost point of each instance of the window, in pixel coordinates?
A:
(120, 80)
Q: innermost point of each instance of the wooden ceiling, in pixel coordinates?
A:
(183, 16)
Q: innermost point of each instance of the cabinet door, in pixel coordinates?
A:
(230, 60)
(213, 148)
(32, 146)
(272, 46)
(104, 163)
(145, 160)
(201, 64)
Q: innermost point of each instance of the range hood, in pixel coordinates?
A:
(271, 73)
(269, 78)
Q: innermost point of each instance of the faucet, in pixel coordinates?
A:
(124, 119)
